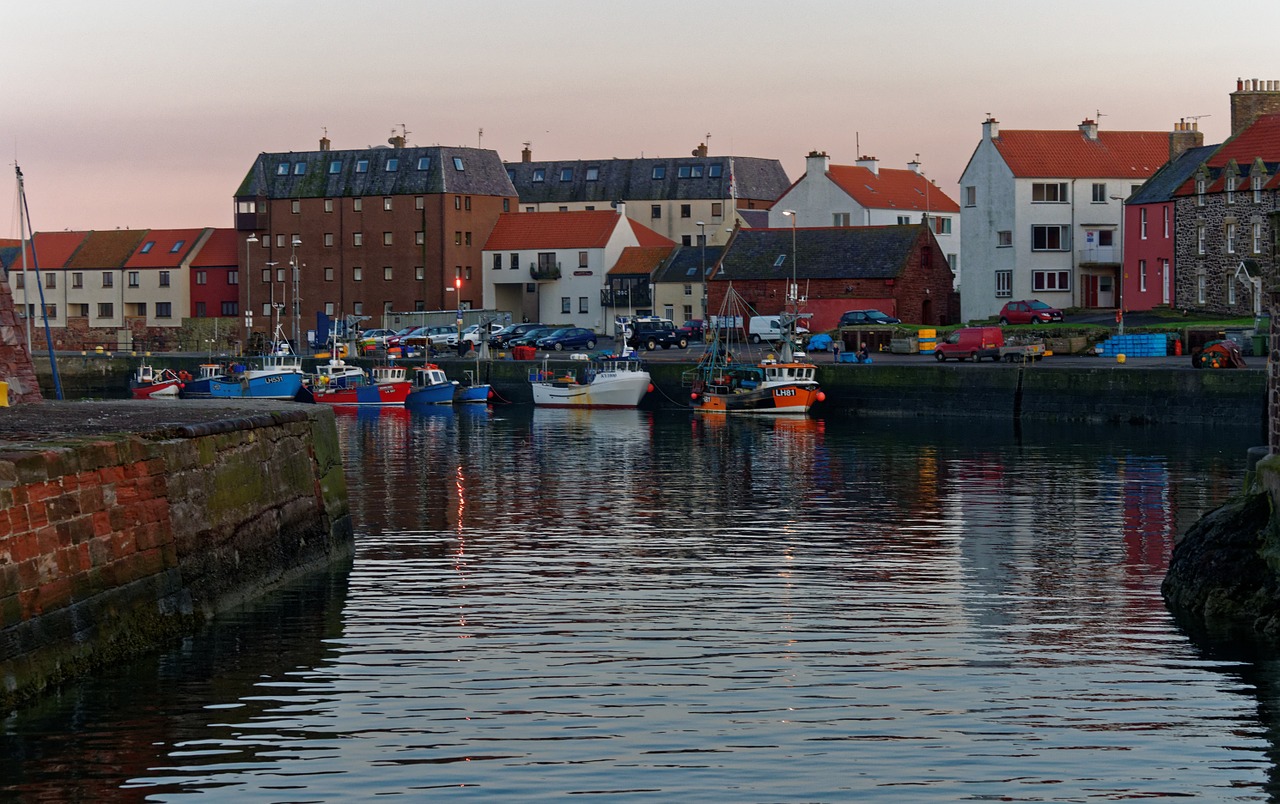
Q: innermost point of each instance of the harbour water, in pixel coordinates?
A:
(643, 606)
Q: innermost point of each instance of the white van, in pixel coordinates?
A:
(769, 328)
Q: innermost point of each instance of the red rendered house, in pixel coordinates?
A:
(215, 277)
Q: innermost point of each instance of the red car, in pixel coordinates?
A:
(1032, 311)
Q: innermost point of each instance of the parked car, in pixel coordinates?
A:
(471, 334)
(530, 337)
(692, 330)
(375, 337)
(503, 336)
(867, 318)
(437, 336)
(1031, 311)
(398, 338)
(568, 338)
(654, 332)
(971, 343)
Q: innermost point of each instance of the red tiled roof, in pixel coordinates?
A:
(641, 259)
(54, 249)
(549, 230)
(222, 249)
(109, 249)
(891, 189)
(1072, 155)
(162, 254)
(1260, 139)
(647, 237)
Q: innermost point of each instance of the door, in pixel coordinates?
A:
(1165, 280)
(1089, 293)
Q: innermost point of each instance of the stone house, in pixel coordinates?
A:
(900, 270)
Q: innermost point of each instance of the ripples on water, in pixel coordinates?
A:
(640, 605)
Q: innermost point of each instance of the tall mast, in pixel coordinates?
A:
(25, 214)
(26, 278)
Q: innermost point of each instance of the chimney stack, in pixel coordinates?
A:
(1184, 137)
(816, 163)
(324, 143)
(526, 155)
(871, 163)
(396, 141)
(701, 150)
(1251, 100)
(914, 165)
(1089, 128)
(990, 128)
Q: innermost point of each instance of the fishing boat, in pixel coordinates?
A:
(471, 392)
(151, 383)
(197, 387)
(614, 381)
(273, 376)
(387, 387)
(430, 387)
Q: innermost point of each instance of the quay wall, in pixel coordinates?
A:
(115, 542)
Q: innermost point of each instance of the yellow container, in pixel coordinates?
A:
(1120, 358)
(928, 339)
(4, 394)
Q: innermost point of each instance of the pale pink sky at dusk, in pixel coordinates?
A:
(146, 114)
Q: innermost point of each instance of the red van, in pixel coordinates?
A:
(971, 343)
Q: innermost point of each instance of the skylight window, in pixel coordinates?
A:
(282, 169)
(713, 171)
(457, 163)
(424, 163)
(566, 174)
(778, 262)
(177, 247)
(693, 269)
(683, 172)
(659, 172)
(696, 170)
(593, 174)
(147, 246)
(362, 166)
(511, 174)
(335, 166)
(299, 168)
(392, 164)
(539, 174)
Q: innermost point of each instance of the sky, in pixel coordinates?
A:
(148, 114)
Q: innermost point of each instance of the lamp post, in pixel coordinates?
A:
(1120, 278)
(702, 242)
(248, 289)
(293, 262)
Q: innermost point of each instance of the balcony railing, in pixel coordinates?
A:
(1105, 255)
(544, 273)
(635, 297)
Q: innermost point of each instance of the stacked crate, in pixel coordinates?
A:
(1135, 346)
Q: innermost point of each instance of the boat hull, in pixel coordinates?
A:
(160, 390)
(774, 400)
(469, 394)
(606, 390)
(391, 394)
(430, 395)
(271, 386)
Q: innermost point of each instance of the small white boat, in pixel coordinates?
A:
(616, 381)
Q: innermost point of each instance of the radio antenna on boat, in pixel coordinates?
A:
(24, 233)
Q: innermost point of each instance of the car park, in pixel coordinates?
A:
(1030, 311)
(867, 318)
(653, 332)
(503, 336)
(568, 338)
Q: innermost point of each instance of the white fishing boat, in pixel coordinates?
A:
(615, 381)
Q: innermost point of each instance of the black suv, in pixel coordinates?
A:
(510, 332)
(654, 332)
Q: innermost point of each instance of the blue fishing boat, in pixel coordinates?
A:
(471, 392)
(198, 387)
(430, 387)
(274, 376)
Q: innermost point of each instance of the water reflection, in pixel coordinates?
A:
(556, 602)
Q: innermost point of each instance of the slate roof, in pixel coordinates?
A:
(755, 218)
(517, 231)
(221, 250)
(685, 264)
(1161, 187)
(1071, 155)
(110, 249)
(338, 174)
(892, 188)
(633, 179)
(640, 260)
(55, 249)
(853, 252)
(162, 254)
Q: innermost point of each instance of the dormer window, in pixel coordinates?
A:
(1200, 192)
(1229, 184)
(335, 166)
(177, 247)
(457, 163)
(391, 165)
(1256, 184)
(147, 246)
(362, 166)
(424, 163)
(539, 174)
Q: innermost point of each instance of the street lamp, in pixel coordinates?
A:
(297, 309)
(702, 241)
(1120, 282)
(248, 285)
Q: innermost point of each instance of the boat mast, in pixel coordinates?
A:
(24, 214)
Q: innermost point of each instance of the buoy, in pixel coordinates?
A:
(821, 397)
(650, 388)
(1177, 347)
(694, 396)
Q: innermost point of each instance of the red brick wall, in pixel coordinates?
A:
(15, 361)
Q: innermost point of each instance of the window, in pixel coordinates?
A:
(515, 261)
(328, 205)
(362, 166)
(970, 196)
(202, 278)
(420, 203)
(952, 261)
(165, 309)
(105, 310)
(1201, 231)
(1050, 238)
(457, 238)
(419, 238)
(466, 273)
(468, 238)
(1142, 223)
(1257, 238)
(1049, 193)
(530, 209)
(282, 169)
(1099, 193)
(177, 247)
(1142, 275)
(328, 239)
(1231, 238)
(279, 274)
(1200, 287)
(497, 262)
(942, 226)
(1200, 194)
(266, 275)
(335, 166)
(593, 174)
(424, 163)
(233, 277)
(582, 259)
(1229, 184)
(655, 211)
(147, 246)
(684, 172)
(1050, 280)
(539, 174)
(840, 219)
(565, 304)
(715, 171)
(386, 204)
(295, 206)
(51, 281)
(299, 168)
(419, 272)
(688, 290)
(357, 205)
(466, 203)
(358, 308)
(200, 310)
(139, 309)
(392, 165)
(357, 274)
(1256, 184)
(357, 238)
(457, 202)
(328, 273)
(686, 240)
(696, 171)
(1231, 289)
(77, 280)
(904, 220)
(164, 279)
(564, 209)
(506, 205)
(583, 305)
(1004, 239)
(566, 174)
(108, 279)
(1004, 284)
(266, 308)
(686, 210)
(457, 163)
(659, 172)
(386, 274)
(1166, 222)
(133, 279)
(386, 238)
